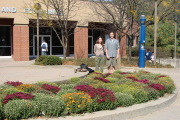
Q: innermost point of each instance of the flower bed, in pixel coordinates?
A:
(95, 92)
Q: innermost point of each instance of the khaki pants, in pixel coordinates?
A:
(111, 62)
(99, 63)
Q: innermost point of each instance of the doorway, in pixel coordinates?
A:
(47, 38)
(5, 41)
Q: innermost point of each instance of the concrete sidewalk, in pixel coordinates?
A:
(26, 72)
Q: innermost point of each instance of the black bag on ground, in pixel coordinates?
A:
(84, 66)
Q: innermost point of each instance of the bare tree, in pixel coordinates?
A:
(122, 14)
(59, 15)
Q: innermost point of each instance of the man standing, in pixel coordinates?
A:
(44, 47)
(112, 52)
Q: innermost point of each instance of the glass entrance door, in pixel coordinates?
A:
(47, 38)
(90, 45)
(5, 41)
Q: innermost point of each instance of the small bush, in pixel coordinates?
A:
(63, 82)
(48, 60)
(45, 105)
(93, 75)
(27, 87)
(11, 90)
(5, 86)
(153, 94)
(77, 102)
(139, 94)
(17, 109)
(1, 112)
(45, 82)
(115, 75)
(67, 86)
(112, 80)
(124, 100)
(65, 91)
(74, 79)
(123, 81)
(117, 71)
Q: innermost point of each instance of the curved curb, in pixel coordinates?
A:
(126, 112)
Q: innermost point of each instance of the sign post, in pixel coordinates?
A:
(142, 41)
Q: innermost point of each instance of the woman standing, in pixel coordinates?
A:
(99, 52)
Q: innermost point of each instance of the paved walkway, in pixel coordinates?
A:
(28, 73)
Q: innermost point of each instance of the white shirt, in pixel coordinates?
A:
(152, 57)
(46, 46)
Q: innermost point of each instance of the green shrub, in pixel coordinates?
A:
(139, 94)
(67, 86)
(112, 80)
(153, 94)
(135, 51)
(150, 76)
(124, 100)
(93, 75)
(27, 87)
(136, 84)
(45, 105)
(11, 90)
(82, 82)
(1, 112)
(45, 82)
(118, 71)
(116, 75)
(65, 91)
(123, 81)
(5, 86)
(74, 79)
(48, 60)
(63, 82)
(18, 109)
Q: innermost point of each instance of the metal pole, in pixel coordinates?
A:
(37, 34)
(155, 32)
(142, 41)
(175, 42)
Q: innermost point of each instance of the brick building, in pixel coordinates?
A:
(18, 33)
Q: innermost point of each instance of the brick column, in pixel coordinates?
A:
(80, 42)
(21, 42)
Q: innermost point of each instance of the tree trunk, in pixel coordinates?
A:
(64, 52)
(119, 59)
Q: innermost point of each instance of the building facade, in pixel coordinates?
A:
(18, 33)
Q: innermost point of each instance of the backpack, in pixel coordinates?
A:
(43, 46)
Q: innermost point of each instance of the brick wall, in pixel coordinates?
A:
(80, 42)
(21, 42)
